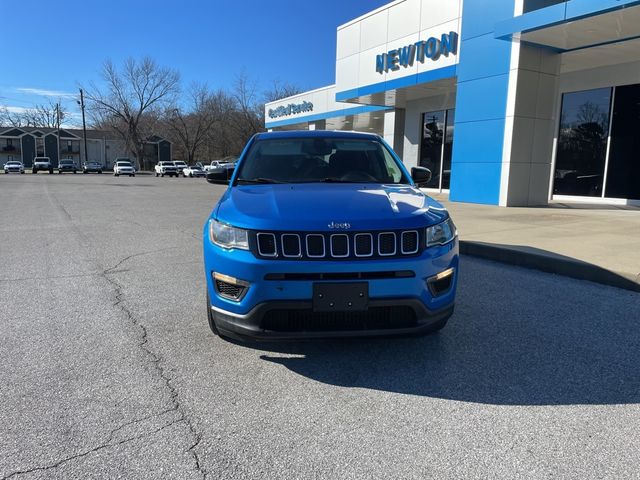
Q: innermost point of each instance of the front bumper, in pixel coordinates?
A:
(269, 294)
(250, 325)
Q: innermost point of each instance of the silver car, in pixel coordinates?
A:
(13, 166)
(123, 167)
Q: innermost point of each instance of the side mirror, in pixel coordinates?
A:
(421, 176)
(220, 178)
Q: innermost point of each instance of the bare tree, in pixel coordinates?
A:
(44, 115)
(189, 130)
(10, 119)
(280, 90)
(130, 100)
(249, 110)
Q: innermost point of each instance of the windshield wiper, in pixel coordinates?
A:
(258, 180)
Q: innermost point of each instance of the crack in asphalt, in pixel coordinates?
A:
(156, 360)
(108, 444)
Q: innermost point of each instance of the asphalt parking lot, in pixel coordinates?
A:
(109, 369)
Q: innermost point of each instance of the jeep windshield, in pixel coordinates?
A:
(317, 160)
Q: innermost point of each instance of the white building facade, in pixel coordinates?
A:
(508, 102)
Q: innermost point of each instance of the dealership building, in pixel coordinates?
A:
(507, 102)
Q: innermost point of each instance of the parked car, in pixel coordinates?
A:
(193, 171)
(166, 168)
(324, 234)
(66, 165)
(180, 166)
(41, 163)
(92, 167)
(123, 167)
(13, 166)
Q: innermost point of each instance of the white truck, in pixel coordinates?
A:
(42, 163)
(166, 168)
(218, 165)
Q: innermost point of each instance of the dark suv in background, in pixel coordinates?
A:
(67, 165)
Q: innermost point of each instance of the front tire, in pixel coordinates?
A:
(35, 172)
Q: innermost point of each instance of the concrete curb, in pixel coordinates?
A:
(550, 262)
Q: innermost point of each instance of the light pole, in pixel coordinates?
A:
(84, 126)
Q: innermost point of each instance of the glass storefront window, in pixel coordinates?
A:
(582, 143)
(623, 170)
(431, 148)
(436, 147)
(531, 5)
(448, 149)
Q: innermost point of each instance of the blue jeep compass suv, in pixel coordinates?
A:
(324, 234)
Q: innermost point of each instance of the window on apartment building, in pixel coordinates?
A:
(69, 146)
(40, 147)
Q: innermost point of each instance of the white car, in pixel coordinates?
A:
(194, 171)
(13, 166)
(123, 167)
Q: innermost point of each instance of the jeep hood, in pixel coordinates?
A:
(313, 206)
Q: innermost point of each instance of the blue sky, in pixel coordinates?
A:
(56, 45)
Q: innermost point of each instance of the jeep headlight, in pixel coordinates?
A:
(441, 233)
(227, 236)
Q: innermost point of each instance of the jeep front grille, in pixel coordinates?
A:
(354, 245)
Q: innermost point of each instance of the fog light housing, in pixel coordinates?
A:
(229, 287)
(441, 283)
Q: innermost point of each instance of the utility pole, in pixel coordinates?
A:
(58, 125)
(84, 126)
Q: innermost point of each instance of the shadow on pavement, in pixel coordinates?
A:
(517, 338)
(588, 206)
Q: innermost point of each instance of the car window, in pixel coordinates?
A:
(309, 160)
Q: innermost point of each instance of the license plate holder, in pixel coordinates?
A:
(340, 297)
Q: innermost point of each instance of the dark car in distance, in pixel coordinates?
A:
(67, 165)
(91, 167)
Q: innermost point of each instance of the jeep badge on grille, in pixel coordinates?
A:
(342, 226)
